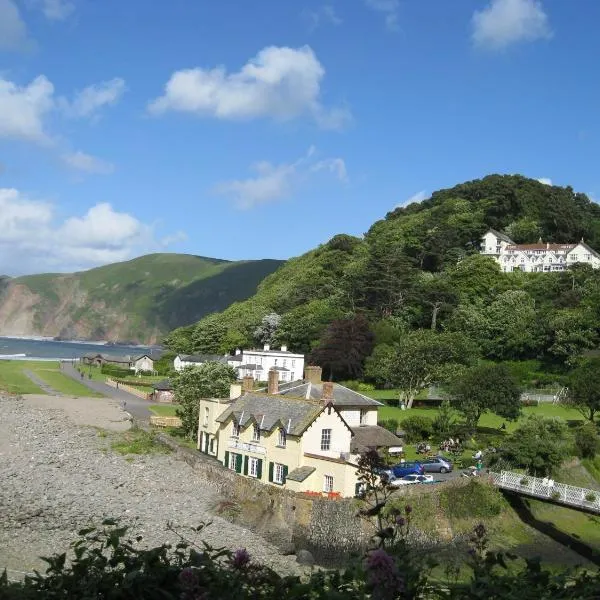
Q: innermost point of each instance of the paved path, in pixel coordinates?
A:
(41, 383)
(132, 404)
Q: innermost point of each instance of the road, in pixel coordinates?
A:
(137, 407)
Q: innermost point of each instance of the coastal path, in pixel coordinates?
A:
(41, 384)
(137, 407)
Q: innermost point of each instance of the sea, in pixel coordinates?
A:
(20, 348)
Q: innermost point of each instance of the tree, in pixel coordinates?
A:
(209, 380)
(587, 441)
(343, 348)
(486, 388)
(267, 330)
(538, 445)
(445, 421)
(584, 388)
(420, 359)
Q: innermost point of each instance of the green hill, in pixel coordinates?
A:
(419, 267)
(138, 300)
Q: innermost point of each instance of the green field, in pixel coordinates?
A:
(164, 410)
(15, 381)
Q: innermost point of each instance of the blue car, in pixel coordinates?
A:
(407, 468)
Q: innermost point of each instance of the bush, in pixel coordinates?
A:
(587, 441)
(390, 424)
(114, 371)
(590, 497)
(445, 421)
(555, 495)
(417, 428)
(477, 499)
(358, 386)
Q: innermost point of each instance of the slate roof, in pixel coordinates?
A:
(202, 358)
(372, 436)
(163, 385)
(300, 473)
(235, 357)
(294, 414)
(501, 236)
(542, 246)
(342, 396)
(250, 367)
(257, 351)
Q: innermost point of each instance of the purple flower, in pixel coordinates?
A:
(188, 578)
(400, 521)
(383, 575)
(240, 558)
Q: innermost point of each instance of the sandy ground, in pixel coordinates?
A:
(96, 412)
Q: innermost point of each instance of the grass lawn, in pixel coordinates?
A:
(164, 410)
(14, 380)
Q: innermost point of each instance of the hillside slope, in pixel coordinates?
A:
(138, 300)
(419, 268)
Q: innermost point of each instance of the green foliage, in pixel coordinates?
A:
(164, 365)
(209, 380)
(138, 441)
(445, 421)
(389, 424)
(488, 387)
(539, 445)
(417, 428)
(114, 370)
(477, 499)
(587, 441)
(584, 388)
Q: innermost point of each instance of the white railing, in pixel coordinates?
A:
(246, 447)
(561, 493)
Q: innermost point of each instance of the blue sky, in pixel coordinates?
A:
(242, 130)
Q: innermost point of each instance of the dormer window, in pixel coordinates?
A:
(282, 438)
(256, 433)
(235, 429)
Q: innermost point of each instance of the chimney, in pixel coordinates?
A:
(248, 383)
(235, 391)
(547, 245)
(312, 374)
(327, 392)
(267, 347)
(237, 351)
(273, 384)
(284, 347)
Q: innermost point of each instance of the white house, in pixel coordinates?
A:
(536, 258)
(258, 363)
(195, 360)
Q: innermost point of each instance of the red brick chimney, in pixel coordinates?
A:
(273, 383)
(248, 383)
(312, 374)
(327, 392)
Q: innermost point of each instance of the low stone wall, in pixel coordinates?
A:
(128, 389)
(159, 421)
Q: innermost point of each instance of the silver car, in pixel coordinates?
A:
(437, 464)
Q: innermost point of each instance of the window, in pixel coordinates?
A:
(282, 438)
(212, 446)
(256, 433)
(285, 362)
(325, 439)
(253, 467)
(235, 426)
(293, 362)
(275, 362)
(363, 417)
(278, 474)
(328, 483)
(205, 416)
(232, 461)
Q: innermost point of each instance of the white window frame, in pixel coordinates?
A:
(253, 466)
(232, 459)
(325, 440)
(206, 413)
(278, 473)
(282, 439)
(256, 432)
(235, 429)
(328, 484)
(363, 416)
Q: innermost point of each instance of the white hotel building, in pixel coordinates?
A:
(535, 258)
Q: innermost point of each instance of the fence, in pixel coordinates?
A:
(165, 421)
(129, 389)
(561, 493)
(547, 395)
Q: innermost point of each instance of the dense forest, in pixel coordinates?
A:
(416, 279)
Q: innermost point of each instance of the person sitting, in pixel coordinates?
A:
(478, 455)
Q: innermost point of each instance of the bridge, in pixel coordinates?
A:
(546, 489)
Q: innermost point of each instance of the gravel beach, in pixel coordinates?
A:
(58, 474)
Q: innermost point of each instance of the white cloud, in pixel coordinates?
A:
(91, 99)
(31, 239)
(418, 197)
(81, 161)
(280, 83)
(57, 10)
(22, 109)
(505, 22)
(389, 8)
(277, 182)
(545, 180)
(13, 32)
(323, 15)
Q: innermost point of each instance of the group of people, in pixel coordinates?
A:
(450, 445)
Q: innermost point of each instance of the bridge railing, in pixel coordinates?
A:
(561, 493)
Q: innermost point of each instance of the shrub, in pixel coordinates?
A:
(445, 421)
(587, 441)
(590, 497)
(477, 499)
(555, 495)
(524, 481)
(114, 371)
(389, 424)
(417, 428)
(358, 386)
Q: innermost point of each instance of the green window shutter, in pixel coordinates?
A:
(238, 463)
(245, 465)
(259, 469)
(226, 461)
(285, 472)
(271, 467)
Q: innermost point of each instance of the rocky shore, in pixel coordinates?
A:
(59, 475)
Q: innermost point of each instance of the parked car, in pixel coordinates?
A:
(411, 479)
(437, 464)
(407, 468)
